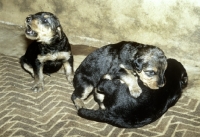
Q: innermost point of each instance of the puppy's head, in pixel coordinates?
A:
(42, 26)
(176, 73)
(150, 64)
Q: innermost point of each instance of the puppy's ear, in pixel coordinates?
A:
(59, 32)
(184, 80)
(138, 64)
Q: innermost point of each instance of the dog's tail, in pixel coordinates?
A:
(106, 116)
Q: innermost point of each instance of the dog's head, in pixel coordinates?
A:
(176, 73)
(42, 26)
(150, 64)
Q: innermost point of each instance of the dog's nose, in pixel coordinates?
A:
(28, 19)
(161, 83)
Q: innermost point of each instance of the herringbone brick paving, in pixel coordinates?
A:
(51, 113)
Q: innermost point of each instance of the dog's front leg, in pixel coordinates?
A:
(128, 78)
(68, 66)
(99, 97)
(38, 75)
(132, 83)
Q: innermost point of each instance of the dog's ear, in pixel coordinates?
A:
(138, 64)
(59, 32)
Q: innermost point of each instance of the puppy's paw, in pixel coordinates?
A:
(37, 87)
(101, 106)
(135, 92)
(79, 103)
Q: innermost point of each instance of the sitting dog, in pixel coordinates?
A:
(122, 110)
(125, 61)
(49, 50)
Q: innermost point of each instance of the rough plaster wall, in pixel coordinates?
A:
(169, 24)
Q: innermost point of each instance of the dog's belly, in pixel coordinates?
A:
(52, 66)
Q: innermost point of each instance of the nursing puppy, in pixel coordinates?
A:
(125, 61)
(49, 50)
(123, 110)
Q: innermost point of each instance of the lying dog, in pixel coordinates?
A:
(49, 50)
(123, 110)
(124, 61)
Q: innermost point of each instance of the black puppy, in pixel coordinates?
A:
(123, 60)
(49, 50)
(123, 110)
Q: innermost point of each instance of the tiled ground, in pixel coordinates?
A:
(52, 113)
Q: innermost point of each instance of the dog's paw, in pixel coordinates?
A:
(79, 103)
(135, 92)
(101, 106)
(37, 87)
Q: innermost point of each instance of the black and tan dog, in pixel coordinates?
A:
(49, 51)
(123, 110)
(125, 61)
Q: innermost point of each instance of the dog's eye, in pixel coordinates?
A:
(45, 21)
(150, 73)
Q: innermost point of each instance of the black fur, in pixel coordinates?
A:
(122, 110)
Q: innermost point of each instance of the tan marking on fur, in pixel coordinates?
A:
(122, 66)
(34, 24)
(68, 68)
(55, 56)
(86, 92)
(45, 34)
(100, 97)
(152, 69)
(132, 83)
(29, 69)
(46, 16)
(59, 32)
(151, 82)
(107, 76)
(68, 71)
(39, 83)
(121, 81)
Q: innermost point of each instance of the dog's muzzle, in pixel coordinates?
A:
(29, 31)
(162, 82)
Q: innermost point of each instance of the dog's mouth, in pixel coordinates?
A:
(29, 31)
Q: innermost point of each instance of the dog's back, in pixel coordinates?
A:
(97, 64)
(122, 110)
